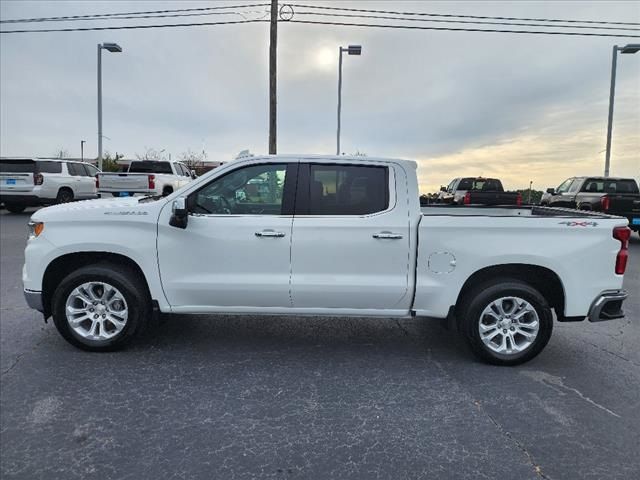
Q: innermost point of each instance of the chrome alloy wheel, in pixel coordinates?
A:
(96, 311)
(509, 325)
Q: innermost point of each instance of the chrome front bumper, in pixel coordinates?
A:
(608, 306)
(34, 300)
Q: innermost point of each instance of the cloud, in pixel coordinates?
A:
(514, 106)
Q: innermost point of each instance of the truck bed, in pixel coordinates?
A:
(508, 211)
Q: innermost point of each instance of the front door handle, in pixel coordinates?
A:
(387, 235)
(270, 233)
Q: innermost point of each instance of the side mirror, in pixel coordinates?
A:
(179, 213)
(551, 191)
(443, 189)
(193, 174)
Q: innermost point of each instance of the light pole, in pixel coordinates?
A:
(82, 142)
(630, 48)
(351, 50)
(114, 48)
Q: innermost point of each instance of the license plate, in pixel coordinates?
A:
(124, 194)
(11, 181)
(635, 221)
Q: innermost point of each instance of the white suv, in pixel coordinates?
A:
(27, 182)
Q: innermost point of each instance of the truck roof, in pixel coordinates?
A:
(600, 177)
(334, 158)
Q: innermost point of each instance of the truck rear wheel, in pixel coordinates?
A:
(101, 307)
(506, 322)
(65, 195)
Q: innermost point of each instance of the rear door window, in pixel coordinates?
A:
(621, 186)
(44, 166)
(347, 189)
(76, 170)
(17, 166)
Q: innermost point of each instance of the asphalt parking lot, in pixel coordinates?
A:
(247, 397)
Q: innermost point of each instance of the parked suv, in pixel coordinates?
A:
(27, 182)
(615, 196)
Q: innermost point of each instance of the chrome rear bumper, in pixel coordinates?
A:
(608, 306)
(34, 300)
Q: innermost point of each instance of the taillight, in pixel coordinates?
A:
(467, 198)
(605, 203)
(622, 234)
(152, 182)
(38, 179)
(519, 199)
(97, 181)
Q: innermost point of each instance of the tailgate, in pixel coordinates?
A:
(493, 198)
(123, 182)
(625, 205)
(16, 175)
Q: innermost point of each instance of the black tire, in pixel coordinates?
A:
(481, 297)
(131, 286)
(166, 191)
(15, 207)
(65, 195)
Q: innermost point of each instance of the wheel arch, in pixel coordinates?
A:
(546, 281)
(63, 265)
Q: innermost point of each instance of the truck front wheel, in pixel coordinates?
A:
(506, 322)
(101, 307)
(15, 207)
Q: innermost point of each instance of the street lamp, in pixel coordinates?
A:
(351, 50)
(630, 48)
(82, 142)
(114, 48)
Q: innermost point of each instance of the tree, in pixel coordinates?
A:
(109, 163)
(151, 154)
(193, 160)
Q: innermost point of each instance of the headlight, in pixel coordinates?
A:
(35, 229)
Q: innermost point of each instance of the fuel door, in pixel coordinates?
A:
(441, 262)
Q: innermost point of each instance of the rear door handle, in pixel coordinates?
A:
(387, 235)
(270, 233)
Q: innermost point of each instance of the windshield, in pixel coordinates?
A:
(149, 166)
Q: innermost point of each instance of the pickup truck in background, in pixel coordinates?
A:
(323, 235)
(146, 177)
(615, 196)
(477, 191)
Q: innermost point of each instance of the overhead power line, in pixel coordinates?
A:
(135, 27)
(105, 16)
(481, 17)
(476, 22)
(456, 29)
(318, 22)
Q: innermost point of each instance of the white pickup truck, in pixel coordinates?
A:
(146, 177)
(317, 235)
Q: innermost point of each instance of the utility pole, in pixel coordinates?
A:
(82, 142)
(273, 66)
(612, 93)
(100, 107)
(628, 49)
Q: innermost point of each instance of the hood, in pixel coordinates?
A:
(93, 208)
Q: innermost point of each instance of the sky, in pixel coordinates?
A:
(518, 107)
